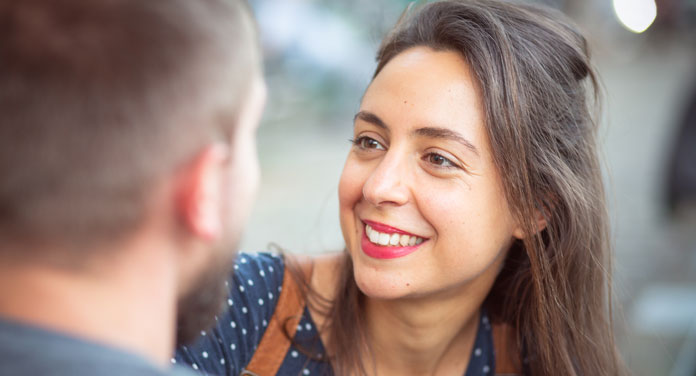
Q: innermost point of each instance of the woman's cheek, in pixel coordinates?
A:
(350, 184)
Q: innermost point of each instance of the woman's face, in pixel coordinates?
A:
(421, 202)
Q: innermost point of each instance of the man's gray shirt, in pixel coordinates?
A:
(29, 350)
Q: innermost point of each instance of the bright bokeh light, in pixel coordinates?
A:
(636, 15)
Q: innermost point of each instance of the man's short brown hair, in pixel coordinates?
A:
(101, 99)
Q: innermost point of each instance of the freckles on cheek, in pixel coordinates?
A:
(443, 211)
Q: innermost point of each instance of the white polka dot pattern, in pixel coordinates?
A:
(228, 347)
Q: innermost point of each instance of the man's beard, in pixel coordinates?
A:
(197, 308)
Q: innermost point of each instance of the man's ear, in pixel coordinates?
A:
(200, 192)
(539, 217)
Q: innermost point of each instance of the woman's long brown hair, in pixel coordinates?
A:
(539, 92)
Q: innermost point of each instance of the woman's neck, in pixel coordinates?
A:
(423, 336)
(431, 334)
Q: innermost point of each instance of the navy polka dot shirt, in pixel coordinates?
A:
(252, 296)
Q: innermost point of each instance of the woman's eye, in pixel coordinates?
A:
(365, 142)
(440, 161)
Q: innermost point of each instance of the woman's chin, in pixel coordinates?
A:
(380, 284)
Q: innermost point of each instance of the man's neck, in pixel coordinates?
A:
(125, 304)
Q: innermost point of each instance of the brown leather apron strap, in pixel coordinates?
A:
(276, 340)
(507, 361)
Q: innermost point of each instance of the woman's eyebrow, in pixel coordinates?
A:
(371, 118)
(432, 132)
(447, 134)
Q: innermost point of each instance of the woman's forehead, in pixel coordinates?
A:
(421, 86)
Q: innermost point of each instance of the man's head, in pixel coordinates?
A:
(124, 115)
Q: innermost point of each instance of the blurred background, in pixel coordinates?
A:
(320, 57)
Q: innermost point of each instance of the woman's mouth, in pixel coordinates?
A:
(385, 242)
(391, 240)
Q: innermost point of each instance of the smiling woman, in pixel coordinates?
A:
(422, 165)
(471, 204)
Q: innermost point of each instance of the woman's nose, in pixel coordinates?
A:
(386, 185)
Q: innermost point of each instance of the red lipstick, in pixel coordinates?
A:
(386, 252)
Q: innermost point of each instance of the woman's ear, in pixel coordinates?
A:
(200, 192)
(540, 218)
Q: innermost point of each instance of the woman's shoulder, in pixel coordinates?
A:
(258, 271)
(253, 291)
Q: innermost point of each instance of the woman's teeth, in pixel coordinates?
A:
(384, 239)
